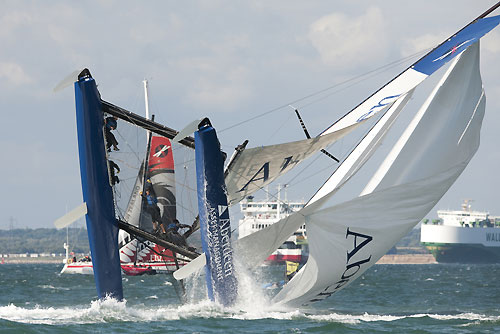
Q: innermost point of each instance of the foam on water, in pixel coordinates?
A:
(355, 319)
(46, 286)
(111, 310)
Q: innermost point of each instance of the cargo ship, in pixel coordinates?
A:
(463, 236)
(258, 215)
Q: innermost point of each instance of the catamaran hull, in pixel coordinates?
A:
(215, 226)
(129, 269)
(81, 268)
(102, 226)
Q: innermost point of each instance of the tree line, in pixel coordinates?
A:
(43, 240)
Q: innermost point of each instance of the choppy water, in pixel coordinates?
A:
(387, 299)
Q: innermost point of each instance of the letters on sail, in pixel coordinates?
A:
(260, 244)
(257, 167)
(358, 232)
(270, 238)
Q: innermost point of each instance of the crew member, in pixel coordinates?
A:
(174, 236)
(110, 124)
(151, 205)
(112, 167)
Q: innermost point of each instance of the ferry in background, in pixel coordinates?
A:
(463, 236)
(260, 214)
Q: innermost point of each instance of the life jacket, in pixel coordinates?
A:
(111, 123)
(151, 200)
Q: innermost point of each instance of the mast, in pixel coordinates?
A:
(146, 98)
(418, 71)
(66, 245)
(278, 207)
(148, 149)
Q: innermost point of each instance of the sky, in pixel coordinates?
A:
(229, 60)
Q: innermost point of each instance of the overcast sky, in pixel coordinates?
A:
(229, 60)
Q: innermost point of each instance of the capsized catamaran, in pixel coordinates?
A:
(357, 232)
(145, 257)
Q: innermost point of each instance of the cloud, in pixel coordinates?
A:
(346, 42)
(12, 20)
(225, 93)
(491, 42)
(421, 43)
(14, 74)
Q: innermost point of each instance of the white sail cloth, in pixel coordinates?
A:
(256, 167)
(346, 239)
(270, 238)
(128, 245)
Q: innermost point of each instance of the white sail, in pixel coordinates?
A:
(346, 239)
(364, 149)
(256, 247)
(416, 73)
(256, 167)
(259, 166)
(133, 213)
(128, 245)
(425, 152)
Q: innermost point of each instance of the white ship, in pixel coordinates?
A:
(463, 236)
(258, 215)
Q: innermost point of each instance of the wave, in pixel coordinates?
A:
(354, 319)
(52, 287)
(111, 310)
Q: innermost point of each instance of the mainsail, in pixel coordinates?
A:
(428, 158)
(271, 237)
(257, 167)
(161, 175)
(418, 72)
(360, 231)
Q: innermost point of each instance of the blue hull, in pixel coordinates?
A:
(215, 226)
(97, 192)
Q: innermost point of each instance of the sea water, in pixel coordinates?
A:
(435, 298)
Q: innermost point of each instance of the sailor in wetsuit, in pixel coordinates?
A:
(174, 236)
(112, 167)
(110, 124)
(151, 206)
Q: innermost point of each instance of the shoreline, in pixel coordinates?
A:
(407, 259)
(33, 260)
(386, 259)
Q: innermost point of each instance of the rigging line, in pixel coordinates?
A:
(124, 163)
(351, 148)
(298, 174)
(309, 136)
(368, 76)
(386, 66)
(280, 127)
(128, 145)
(310, 176)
